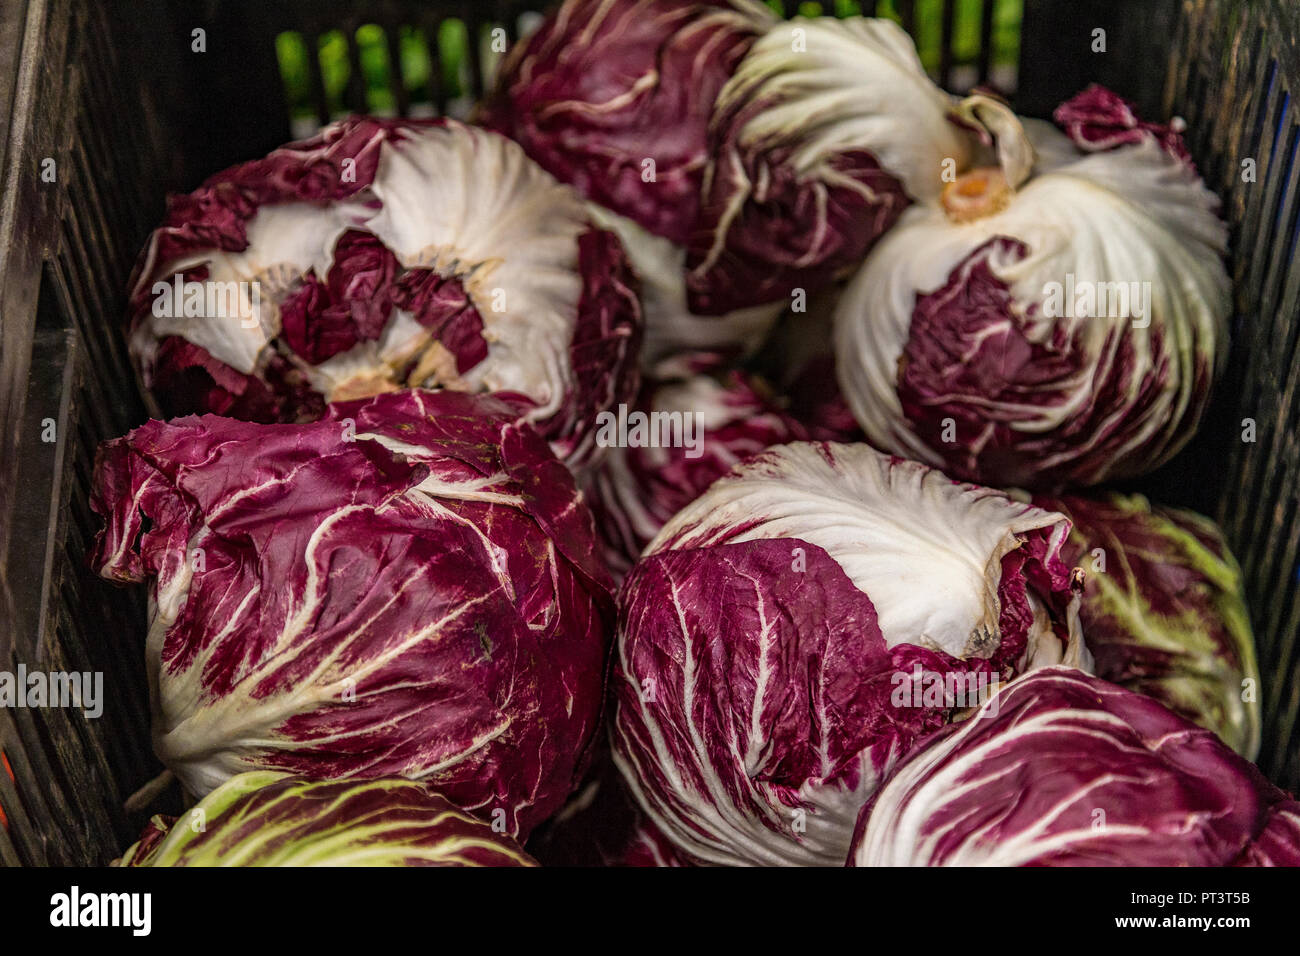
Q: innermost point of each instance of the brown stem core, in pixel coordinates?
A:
(976, 194)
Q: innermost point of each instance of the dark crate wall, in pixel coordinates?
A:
(112, 90)
(1234, 72)
(79, 113)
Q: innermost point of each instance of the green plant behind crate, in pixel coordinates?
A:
(452, 43)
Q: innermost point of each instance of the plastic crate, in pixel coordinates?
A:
(113, 92)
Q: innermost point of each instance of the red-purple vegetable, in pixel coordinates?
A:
(615, 97)
(692, 430)
(790, 634)
(1064, 769)
(827, 130)
(407, 587)
(1056, 320)
(382, 254)
(1163, 610)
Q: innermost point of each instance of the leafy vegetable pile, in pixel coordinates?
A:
(818, 363)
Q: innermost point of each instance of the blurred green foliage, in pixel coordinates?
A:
(452, 46)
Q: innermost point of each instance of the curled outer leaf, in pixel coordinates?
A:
(1064, 769)
(379, 255)
(791, 634)
(828, 130)
(1164, 612)
(264, 818)
(407, 587)
(1060, 336)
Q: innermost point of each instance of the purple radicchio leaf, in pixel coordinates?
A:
(337, 163)
(790, 635)
(604, 351)
(973, 370)
(1098, 119)
(405, 588)
(196, 382)
(827, 131)
(440, 304)
(1278, 844)
(383, 255)
(322, 319)
(1063, 769)
(683, 434)
(1164, 612)
(615, 98)
(1066, 334)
